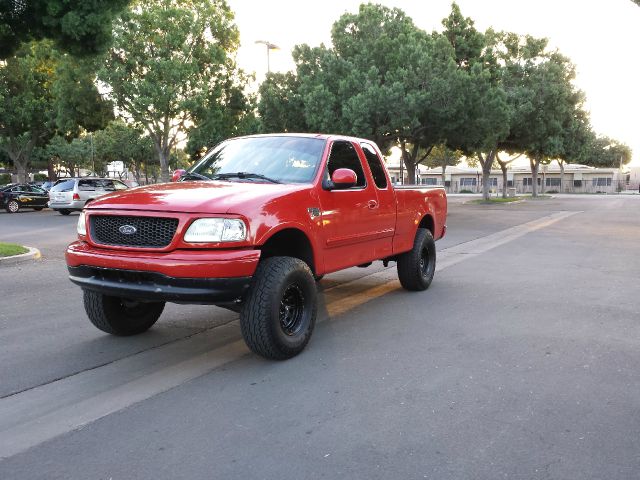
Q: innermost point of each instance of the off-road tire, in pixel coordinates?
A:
(12, 206)
(279, 314)
(119, 316)
(417, 266)
(64, 211)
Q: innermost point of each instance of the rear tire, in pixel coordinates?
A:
(279, 315)
(417, 266)
(119, 316)
(12, 206)
(37, 209)
(64, 212)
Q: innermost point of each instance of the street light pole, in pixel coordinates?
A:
(270, 46)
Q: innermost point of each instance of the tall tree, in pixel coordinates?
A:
(487, 113)
(79, 27)
(167, 60)
(27, 109)
(384, 79)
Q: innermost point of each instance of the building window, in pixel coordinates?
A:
(577, 183)
(467, 182)
(493, 181)
(552, 182)
(528, 181)
(509, 183)
(601, 181)
(429, 181)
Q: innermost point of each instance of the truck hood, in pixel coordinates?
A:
(196, 197)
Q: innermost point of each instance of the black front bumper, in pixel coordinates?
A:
(149, 286)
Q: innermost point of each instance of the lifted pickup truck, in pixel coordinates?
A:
(251, 227)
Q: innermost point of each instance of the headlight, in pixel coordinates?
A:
(209, 230)
(82, 225)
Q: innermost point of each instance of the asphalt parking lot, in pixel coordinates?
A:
(520, 361)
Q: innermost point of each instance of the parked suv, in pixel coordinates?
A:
(72, 194)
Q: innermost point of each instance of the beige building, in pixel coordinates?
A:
(576, 178)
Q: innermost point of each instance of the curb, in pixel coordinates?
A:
(32, 254)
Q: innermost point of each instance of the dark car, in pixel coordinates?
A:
(20, 195)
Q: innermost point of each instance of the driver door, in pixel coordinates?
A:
(349, 234)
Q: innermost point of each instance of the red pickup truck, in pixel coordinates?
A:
(251, 227)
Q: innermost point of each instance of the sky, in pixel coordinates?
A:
(600, 37)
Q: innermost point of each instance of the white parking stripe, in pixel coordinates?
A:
(42, 413)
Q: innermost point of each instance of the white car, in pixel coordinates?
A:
(72, 194)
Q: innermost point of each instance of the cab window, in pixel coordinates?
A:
(375, 165)
(343, 155)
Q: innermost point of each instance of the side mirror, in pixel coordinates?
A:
(177, 174)
(343, 178)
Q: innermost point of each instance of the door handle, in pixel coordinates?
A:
(372, 204)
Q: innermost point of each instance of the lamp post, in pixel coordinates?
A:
(270, 46)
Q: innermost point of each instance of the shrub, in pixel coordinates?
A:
(464, 190)
(40, 177)
(5, 178)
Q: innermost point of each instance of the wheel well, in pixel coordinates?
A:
(427, 222)
(289, 243)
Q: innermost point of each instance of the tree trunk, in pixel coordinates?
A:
(562, 187)
(21, 170)
(409, 163)
(503, 167)
(486, 163)
(163, 157)
(444, 169)
(535, 165)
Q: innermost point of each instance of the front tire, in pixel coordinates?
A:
(12, 206)
(417, 266)
(279, 315)
(119, 316)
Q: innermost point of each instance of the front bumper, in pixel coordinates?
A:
(184, 276)
(148, 286)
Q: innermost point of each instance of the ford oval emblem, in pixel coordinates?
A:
(127, 229)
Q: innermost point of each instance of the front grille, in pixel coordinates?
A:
(150, 232)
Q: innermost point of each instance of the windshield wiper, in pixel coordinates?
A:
(197, 176)
(243, 175)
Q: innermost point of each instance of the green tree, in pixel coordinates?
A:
(79, 27)
(78, 104)
(443, 157)
(126, 143)
(485, 119)
(168, 60)
(27, 108)
(69, 157)
(607, 153)
(281, 106)
(227, 112)
(384, 79)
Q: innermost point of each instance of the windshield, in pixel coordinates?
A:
(275, 159)
(63, 186)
